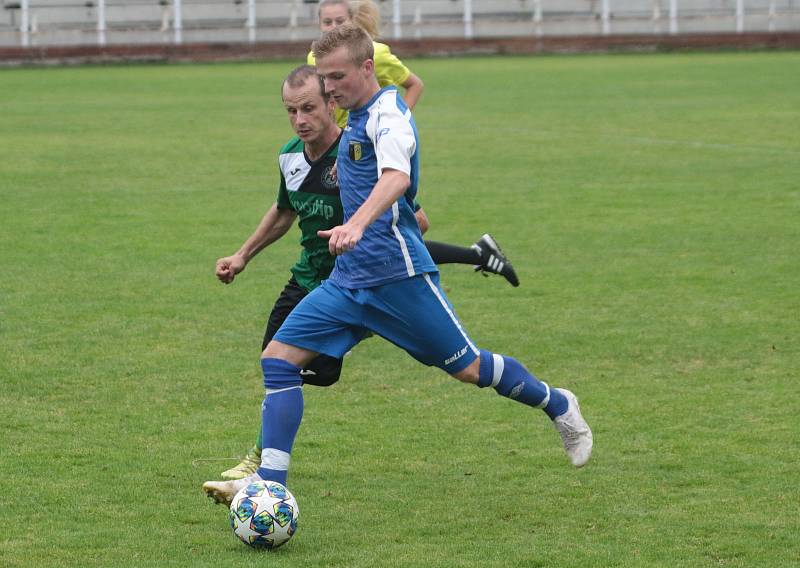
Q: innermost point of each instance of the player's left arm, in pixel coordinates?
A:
(422, 220)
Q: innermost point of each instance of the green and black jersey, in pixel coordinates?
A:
(309, 189)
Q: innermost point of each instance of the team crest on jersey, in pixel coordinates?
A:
(328, 181)
(355, 151)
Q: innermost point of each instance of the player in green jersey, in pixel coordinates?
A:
(309, 193)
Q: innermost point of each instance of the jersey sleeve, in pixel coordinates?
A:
(283, 195)
(389, 70)
(394, 141)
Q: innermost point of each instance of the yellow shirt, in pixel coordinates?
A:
(388, 69)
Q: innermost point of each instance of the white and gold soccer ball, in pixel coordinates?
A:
(264, 514)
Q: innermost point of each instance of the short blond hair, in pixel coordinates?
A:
(350, 36)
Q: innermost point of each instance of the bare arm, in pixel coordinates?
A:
(272, 227)
(422, 220)
(414, 87)
(391, 185)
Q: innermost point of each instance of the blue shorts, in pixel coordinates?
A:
(413, 313)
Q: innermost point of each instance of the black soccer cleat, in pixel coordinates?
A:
(493, 260)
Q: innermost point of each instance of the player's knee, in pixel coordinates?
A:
(322, 371)
(320, 379)
(470, 374)
(276, 350)
(295, 355)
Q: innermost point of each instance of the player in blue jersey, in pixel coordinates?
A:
(309, 193)
(384, 280)
(485, 254)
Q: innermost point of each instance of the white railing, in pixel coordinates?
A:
(43, 22)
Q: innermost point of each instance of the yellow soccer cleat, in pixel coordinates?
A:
(247, 466)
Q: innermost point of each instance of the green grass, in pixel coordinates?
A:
(651, 205)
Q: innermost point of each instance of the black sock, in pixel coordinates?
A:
(443, 253)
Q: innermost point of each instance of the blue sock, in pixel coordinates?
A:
(511, 380)
(281, 414)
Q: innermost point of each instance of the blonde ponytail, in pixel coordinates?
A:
(367, 16)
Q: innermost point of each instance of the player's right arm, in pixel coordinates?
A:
(343, 238)
(395, 142)
(275, 223)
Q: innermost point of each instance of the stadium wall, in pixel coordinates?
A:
(297, 50)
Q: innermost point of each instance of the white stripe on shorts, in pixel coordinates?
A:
(450, 313)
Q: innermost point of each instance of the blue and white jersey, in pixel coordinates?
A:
(379, 135)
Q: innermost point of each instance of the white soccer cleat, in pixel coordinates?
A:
(575, 432)
(223, 492)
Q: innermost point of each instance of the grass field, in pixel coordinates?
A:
(651, 204)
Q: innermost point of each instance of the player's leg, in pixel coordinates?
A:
(441, 341)
(291, 295)
(282, 410)
(322, 371)
(281, 414)
(485, 255)
(327, 320)
(445, 253)
(511, 379)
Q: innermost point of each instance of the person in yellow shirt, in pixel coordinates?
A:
(389, 70)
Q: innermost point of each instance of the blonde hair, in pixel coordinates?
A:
(364, 13)
(354, 38)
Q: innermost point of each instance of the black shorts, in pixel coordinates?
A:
(323, 370)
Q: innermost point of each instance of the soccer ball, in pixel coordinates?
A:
(264, 514)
